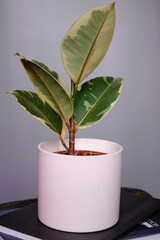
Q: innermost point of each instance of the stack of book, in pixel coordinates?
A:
(139, 219)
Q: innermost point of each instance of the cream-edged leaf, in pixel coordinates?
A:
(87, 41)
(94, 99)
(39, 109)
(49, 86)
(54, 75)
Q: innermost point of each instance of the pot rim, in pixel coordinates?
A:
(92, 139)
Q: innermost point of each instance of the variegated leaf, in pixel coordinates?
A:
(54, 74)
(50, 86)
(34, 105)
(94, 100)
(87, 42)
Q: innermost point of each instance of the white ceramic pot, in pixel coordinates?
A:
(79, 193)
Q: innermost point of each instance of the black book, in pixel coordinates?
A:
(135, 207)
(149, 227)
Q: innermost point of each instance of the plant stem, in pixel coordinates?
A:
(72, 121)
(72, 137)
(65, 146)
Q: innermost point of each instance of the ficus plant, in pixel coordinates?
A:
(82, 49)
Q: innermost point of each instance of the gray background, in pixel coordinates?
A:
(35, 29)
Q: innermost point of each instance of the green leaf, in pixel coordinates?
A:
(50, 86)
(87, 42)
(34, 105)
(94, 100)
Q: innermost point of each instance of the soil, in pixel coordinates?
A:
(82, 153)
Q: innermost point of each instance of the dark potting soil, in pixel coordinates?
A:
(82, 153)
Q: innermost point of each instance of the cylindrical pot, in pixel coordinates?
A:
(79, 193)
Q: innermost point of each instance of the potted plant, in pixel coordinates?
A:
(79, 179)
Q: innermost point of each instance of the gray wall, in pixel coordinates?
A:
(35, 29)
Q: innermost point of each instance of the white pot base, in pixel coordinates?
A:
(79, 193)
(67, 231)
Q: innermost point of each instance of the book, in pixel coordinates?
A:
(134, 208)
(149, 227)
(153, 237)
(9, 234)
